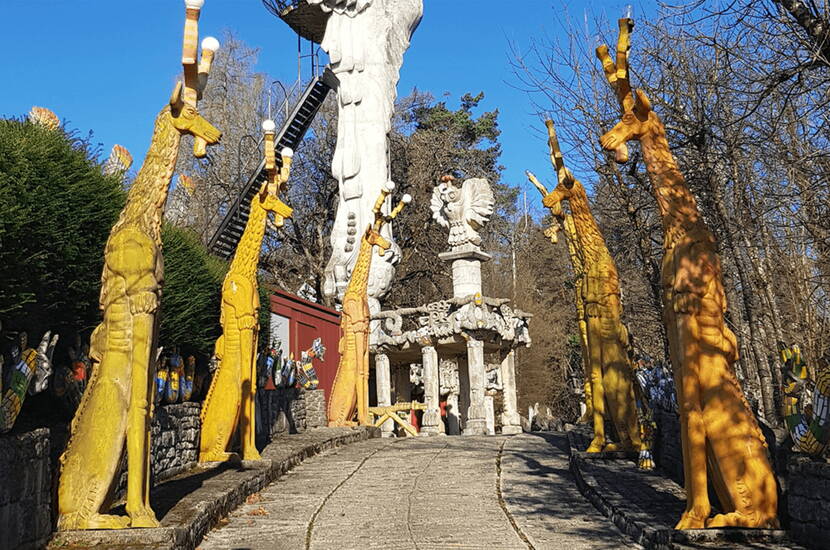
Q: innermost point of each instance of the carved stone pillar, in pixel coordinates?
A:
(490, 414)
(511, 423)
(476, 423)
(463, 391)
(383, 383)
(449, 386)
(431, 423)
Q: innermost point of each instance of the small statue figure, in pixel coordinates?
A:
(187, 380)
(808, 424)
(174, 378)
(28, 366)
(162, 376)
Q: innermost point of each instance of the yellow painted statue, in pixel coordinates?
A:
(230, 402)
(117, 404)
(721, 439)
(350, 391)
(609, 371)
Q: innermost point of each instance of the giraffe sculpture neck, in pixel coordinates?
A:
(591, 244)
(676, 203)
(246, 259)
(148, 193)
(359, 281)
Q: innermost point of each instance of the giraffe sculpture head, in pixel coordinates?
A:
(565, 188)
(183, 109)
(373, 235)
(638, 120)
(268, 197)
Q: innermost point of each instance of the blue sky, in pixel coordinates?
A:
(109, 67)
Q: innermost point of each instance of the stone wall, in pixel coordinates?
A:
(668, 450)
(290, 410)
(175, 442)
(809, 501)
(25, 490)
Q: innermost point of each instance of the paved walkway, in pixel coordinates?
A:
(433, 493)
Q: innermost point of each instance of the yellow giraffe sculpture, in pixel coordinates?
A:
(715, 418)
(117, 403)
(350, 391)
(230, 400)
(567, 224)
(607, 337)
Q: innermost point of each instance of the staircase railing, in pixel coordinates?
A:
(224, 240)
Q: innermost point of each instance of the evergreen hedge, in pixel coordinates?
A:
(56, 210)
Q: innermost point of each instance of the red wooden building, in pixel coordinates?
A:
(296, 323)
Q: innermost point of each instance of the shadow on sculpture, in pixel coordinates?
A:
(231, 400)
(720, 436)
(117, 404)
(350, 391)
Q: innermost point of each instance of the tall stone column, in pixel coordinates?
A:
(431, 423)
(476, 423)
(511, 423)
(383, 383)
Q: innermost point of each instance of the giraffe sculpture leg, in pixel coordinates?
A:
(110, 383)
(619, 392)
(138, 431)
(597, 389)
(247, 426)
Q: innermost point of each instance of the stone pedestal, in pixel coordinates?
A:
(476, 423)
(511, 422)
(431, 424)
(466, 269)
(383, 383)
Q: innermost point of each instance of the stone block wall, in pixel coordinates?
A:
(668, 449)
(25, 490)
(290, 410)
(809, 501)
(175, 442)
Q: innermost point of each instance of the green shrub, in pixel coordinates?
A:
(56, 210)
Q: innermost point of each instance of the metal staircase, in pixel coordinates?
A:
(224, 241)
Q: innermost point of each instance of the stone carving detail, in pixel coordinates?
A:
(448, 375)
(464, 209)
(366, 41)
(452, 317)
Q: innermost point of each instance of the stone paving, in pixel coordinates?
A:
(424, 494)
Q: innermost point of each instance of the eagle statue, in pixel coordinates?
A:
(464, 209)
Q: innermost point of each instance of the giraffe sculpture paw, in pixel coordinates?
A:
(692, 519)
(597, 445)
(72, 521)
(143, 518)
(737, 519)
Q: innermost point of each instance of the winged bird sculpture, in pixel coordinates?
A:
(464, 209)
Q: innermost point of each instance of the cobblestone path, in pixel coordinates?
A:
(489, 493)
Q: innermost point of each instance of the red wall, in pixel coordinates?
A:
(308, 321)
